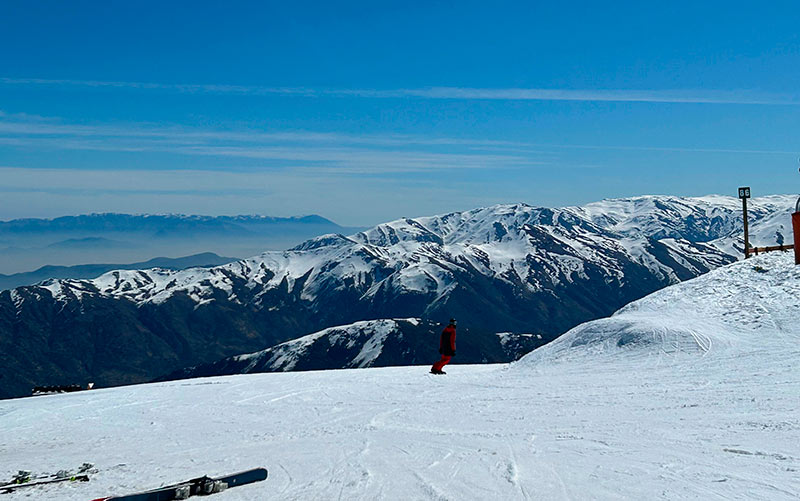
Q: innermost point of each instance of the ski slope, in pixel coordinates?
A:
(690, 393)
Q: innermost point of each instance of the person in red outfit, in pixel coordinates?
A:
(447, 347)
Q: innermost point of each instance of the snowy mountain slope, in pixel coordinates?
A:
(655, 417)
(751, 305)
(696, 219)
(503, 268)
(205, 260)
(369, 343)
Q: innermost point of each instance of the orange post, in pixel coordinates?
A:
(746, 229)
(796, 228)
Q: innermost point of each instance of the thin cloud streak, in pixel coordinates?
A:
(34, 125)
(13, 126)
(665, 96)
(339, 160)
(186, 88)
(302, 145)
(675, 149)
(343, 154)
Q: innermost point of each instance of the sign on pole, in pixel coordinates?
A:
(744, 194)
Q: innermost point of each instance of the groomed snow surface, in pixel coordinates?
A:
(690, 393)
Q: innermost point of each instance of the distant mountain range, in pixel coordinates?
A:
(205, 260)
(506, 268)
(27, 244)
(164, 225)
(88, 243)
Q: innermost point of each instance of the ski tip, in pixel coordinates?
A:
(256, 473)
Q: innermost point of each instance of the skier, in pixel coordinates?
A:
(447, 347)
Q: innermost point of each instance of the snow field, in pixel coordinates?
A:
(690, 393)
(681, 430)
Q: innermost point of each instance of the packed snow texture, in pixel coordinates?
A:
(690, 393)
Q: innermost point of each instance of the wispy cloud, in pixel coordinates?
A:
(304, 151)
(188, 88)
(687, 96)
(21, 124)
(674, 96)
(313, 151)
(646, 148)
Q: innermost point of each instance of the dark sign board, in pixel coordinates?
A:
(744, 192)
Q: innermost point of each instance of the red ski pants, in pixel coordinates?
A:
(441, 363)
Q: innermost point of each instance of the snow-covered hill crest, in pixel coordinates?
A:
(745, 306)
(357, 345)
(367, 337)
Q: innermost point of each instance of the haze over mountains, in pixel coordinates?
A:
(507, 268)
(28, 244)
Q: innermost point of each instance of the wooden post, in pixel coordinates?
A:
(744, 194)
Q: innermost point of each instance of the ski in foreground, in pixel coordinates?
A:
(36, 483)
(202, 486)
(26, 477)
(690, 393)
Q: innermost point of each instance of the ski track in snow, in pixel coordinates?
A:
(679, 431)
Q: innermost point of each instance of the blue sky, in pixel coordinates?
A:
(369, 111)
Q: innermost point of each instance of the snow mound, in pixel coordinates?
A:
(749, 305)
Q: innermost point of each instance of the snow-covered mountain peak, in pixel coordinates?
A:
(328, 240)
(477, 226)
(364, 340)
(696, 219)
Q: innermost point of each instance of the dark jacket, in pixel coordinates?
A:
(447, 343)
